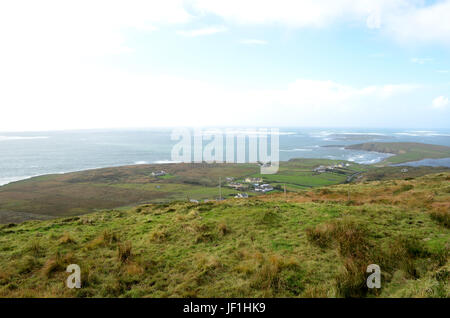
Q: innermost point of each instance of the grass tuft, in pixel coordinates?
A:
(35, 248)
(124, 251)
(442, 217)
(66, 238)
(223, 229)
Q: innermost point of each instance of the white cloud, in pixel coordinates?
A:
(68, 99)
(443, 71)
(254, 42)
(326, 97)
(81, 28)
(97, 27)
(301, 13)
(203, 31)
(408, 21)
(421, 24)
(440, 102)
(419, 60)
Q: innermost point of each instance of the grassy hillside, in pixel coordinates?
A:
(404, 151)
(85, 191)
(314, 243)
(397, 173)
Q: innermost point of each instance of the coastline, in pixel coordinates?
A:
(17, 179)
(412, 163)
(157, 162)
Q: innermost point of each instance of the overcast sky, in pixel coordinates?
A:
(114, 64)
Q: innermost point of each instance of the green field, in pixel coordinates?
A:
(312, 243)
(86, 191)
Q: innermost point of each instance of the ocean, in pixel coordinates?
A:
(28, 154)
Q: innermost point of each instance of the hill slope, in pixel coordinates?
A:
(316, 243)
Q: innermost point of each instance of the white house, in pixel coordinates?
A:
(159, 173)
(253, 180)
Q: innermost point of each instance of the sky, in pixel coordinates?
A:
(302, 63)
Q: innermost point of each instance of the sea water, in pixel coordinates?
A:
(28, 154)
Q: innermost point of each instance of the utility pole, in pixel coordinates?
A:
(285, 198)
(220, 188)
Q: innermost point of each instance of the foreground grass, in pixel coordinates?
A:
(316, 243)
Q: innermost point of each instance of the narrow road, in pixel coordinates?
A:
(350, 178)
